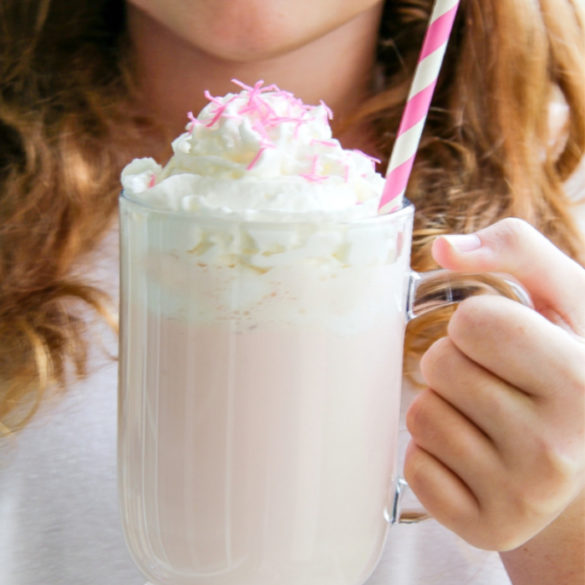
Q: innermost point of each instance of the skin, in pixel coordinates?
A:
(183, 47)
(498, 440)
(498, 451)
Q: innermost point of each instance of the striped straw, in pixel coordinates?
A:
(418, 103)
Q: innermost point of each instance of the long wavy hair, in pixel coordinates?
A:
(488, 152)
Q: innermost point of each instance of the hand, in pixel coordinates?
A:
(498, 439)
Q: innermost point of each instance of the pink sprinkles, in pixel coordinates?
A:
(312, 174)
(193, 121)
(264, 117)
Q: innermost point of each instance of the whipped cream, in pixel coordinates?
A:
(260, 154)
(261, 216)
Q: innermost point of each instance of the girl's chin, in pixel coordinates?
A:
(250, 30)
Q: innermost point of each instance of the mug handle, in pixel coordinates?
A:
(432, 290)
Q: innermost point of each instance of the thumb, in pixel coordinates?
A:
(555, 281)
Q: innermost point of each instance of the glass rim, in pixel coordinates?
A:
(406, 208)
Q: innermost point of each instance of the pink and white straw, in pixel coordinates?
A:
(418, 103)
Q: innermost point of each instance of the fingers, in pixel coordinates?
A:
(481, 397)
(518, 345)
(439, 429)
(490, 462)
(530, 435)
(555, 282)
(440, 491)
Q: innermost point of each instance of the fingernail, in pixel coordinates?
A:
(463, 242)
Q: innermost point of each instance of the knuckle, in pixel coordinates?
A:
(522, 500)
(418, 416)
(557, 463)
(469, 525)
(432, 359)
(576, 376)
(547, 484)
(491, 529)
(482, 314)
(507, 519)
(503, 538)
(414, 466)
(496, 537)
(512, 231)
(472, 315)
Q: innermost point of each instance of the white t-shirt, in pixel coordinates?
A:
(59, 518)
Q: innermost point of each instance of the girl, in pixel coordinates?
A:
(497, 453)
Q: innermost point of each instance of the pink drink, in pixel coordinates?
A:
(258, 408)
(262, 323)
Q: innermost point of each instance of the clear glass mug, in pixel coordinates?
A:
(260, 377)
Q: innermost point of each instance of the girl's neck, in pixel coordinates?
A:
(172, 74)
